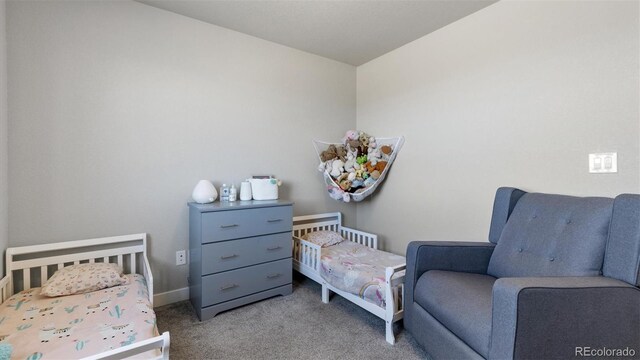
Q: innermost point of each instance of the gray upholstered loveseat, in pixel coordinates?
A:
(558, 280)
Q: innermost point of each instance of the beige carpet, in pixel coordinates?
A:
(298, 326)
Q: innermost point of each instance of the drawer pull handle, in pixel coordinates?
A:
(274, 220)
(224, 257)
(228, 226)
(227, 287)
(273, 276)
(274, 248)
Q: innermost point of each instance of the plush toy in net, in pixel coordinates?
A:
(355, 167)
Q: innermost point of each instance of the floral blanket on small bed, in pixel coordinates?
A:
(358, 269)
(76, 326)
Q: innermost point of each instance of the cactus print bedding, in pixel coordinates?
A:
(358, 269)
(76, 326)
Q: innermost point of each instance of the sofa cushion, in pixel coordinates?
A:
(623, 248)
(461, 302)
(505, 200)
(553, 235)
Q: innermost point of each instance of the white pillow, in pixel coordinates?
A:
(83, 278)
(323, 238)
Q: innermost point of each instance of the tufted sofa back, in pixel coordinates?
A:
(553, 235)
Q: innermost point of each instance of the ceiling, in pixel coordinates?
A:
(353, 32)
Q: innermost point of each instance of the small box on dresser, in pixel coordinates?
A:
(240, 252)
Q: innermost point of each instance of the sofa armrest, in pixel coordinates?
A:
(463, 256)
(467, 256)
(563, 317)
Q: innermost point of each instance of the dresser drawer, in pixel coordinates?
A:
(226, 225)
(237, 283)
(232, 254)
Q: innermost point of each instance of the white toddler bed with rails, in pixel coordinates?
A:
(354, 268)
(111, 323)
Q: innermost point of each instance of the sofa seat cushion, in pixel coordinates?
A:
(461, 302)
(553, 235)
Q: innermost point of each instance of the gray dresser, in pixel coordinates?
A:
(239, 252)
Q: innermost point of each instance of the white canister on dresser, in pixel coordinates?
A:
(245, 191)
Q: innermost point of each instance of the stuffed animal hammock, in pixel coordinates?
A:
(354, 168)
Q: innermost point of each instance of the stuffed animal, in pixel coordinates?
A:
(370, 181)
(380, 165)
(337, 167)
(342, 176)
(350, 135)
(369, 167)
(329, 154)
(341, 152)
(351, 176)
(386, 151)
(335, 193)
(372, 143)
(349, 166)
(364, 143)
(351, 155)
(374, 156)
(375, 174)
(357, 184)
(364, 140)
(345, 184)
(353, 145)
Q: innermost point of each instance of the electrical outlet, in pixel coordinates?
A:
(181, 257)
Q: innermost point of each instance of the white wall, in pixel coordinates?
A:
(4, 195)
(516, 94)
(117, 109)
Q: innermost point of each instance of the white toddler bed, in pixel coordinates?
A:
(354, 269)
(118, 320)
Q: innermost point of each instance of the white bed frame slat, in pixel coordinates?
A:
(44, 274)
(75, 256)
(4, 285)
(306, 260)
(26, 278)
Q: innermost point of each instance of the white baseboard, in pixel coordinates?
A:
(170, 297)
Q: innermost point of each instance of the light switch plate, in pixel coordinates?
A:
(600, 163)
